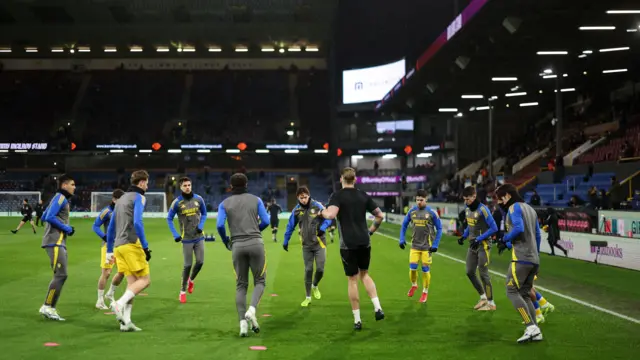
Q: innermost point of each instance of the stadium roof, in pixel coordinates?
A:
(527, 43)
(150, 23)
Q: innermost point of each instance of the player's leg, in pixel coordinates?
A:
(364, 258)
(472, 265)
(350, 265)
(240, 261)
(38, 218)
(198, 251)
(426, 260)
(545, 305)
(105, 272)
(307, 257)
(536, 305)
(58, 257)
(274, 230)
(414, 258)
(33, 225)
(115, 282)
(320, 258)
(131, 260)
(258, 266)
(484, 259)
(187, 252)
(518, 287)
(22, 222)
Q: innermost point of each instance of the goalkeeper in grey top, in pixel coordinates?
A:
(314, 244)
(192, 214)
(247, 218)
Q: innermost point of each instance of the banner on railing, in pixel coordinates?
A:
(390, 179)
(621, 223)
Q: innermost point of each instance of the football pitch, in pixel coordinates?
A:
(206, 327)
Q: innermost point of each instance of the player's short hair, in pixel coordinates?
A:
(138, 176)
(303, 190)
(117, 193)
(25, 200)
(239, 180)
(348, 175)
(509, 189)
(468, 191)
(421, 193)
(64, 179)
(183, 180)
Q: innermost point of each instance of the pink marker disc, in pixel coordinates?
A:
(143, 294)
(274, 294)
(258, 348)
(55, 344)
(109, 313)
(266, 315)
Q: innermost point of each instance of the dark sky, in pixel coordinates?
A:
(374, 32)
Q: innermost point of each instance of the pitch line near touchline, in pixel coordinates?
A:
(547, 290)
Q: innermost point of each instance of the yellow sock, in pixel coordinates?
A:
(538, 312)
(426, 279)
(542, 301)
(413, 276)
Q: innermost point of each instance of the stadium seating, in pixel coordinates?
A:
(611, 151)
(560, 194)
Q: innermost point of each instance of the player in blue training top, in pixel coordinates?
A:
(192, 214)
(427, 231)
(103, 221)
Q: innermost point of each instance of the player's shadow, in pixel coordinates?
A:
(288, 320)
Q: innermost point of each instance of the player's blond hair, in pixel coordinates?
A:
(138, 176)
(348, 175)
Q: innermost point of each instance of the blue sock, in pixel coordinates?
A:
(538, 296)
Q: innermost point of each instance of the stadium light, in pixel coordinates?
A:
(268, 49)
(281, 51)
(424, 155)
(548, 71)
(116, 151)
(566, 90)
(204, 151)
(291, 151)
(389, 156)
(57, 50)
(473, 96)
(162, 49)
(552, 53)
(504, 79)
(294, 49)
(290, 132)
(145, 150)
(5, 50)
(494, 97)
(529, 104)
(21, 151)
(448, 110)
(632, 30)
(242, 49)
(189, 49)
(582, 56)
(174, 151)
(312, 48)
(616, 12)
(84, 49)
(31, 49)
(597, 28)
(232, 151)
(262, 151)
(459, 115)
(614, 71)
(4, 151)
(356, 157)
(480, 108)
(614, 49)
(550, 76)
(135, 49)
(588, 52)
(321, 151)
(515, 94)
(214, 49)
(110, 49)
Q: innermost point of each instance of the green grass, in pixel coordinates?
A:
(206, 327)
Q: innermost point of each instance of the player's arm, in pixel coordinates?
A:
(465, 234)
(57, 203)
(111, 232)
(97, 224)
(493, 228)
(262, 213)
(170, 216)
(515, 214)
(138, 225)
(326, 223)
(203, 213)
(220, 222)
(405, 225)
(438, 225)
(291, 225)
(538, 236)
(373, 208)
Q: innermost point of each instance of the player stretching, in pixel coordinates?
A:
(103, 221)
(242, 210)
(54, 241)
(350, 206)
(192, 213)
(27, 212)
(274, 210)
(480, 227)
(126, 235)
(523, 238)
(314, 244)
(427, 231)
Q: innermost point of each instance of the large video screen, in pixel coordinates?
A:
(391, 127)
(370, 84)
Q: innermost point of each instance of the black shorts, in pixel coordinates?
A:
(354, 260)
(274, 223)
(27, 218)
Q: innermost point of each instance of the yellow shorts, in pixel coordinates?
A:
(423, 256)
(103, 258)
(131, 260)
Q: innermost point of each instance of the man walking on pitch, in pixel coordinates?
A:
(27, 212)
(314, 244)
(427, 231)
(243, 211)
(523, 238)
(103, 220)
(274, 209)
(39, 211)
(480, 227)
(192, 214)
(54, 241)
(350, 206)
(126, 241)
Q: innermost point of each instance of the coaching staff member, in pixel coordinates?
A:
(350, 206)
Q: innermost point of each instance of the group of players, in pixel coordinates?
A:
(124, 244)
(27, 216)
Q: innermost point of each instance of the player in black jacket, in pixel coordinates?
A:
(27, 216)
